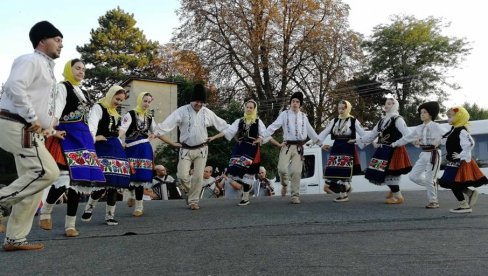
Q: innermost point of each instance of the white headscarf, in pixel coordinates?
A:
(394, 109)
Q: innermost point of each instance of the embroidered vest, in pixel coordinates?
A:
(108, 126)
(352, 127)
(75, 109)
(137, 127)
(248, 133)
(391, 133)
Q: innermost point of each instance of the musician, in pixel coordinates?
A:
(209, 189)
(427, 136)
(164, 185)
(263, 186)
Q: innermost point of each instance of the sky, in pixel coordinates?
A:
(158, 20)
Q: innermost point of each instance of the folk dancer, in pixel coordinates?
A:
(192, 121)
(135, 133)
(27, 107)
(428, 137)
(245, 157)
(388, 163)
(461, 171)
(104, 123)
(296, 129)
(74, 151)
(343, 161)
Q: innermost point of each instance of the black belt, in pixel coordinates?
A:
(4, 114)
(428, 148)
(185, 146)
(295, 142)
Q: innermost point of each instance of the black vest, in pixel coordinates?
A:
(352, 127)
(248, 134)
(108, 126)
(453, 142)
(391, 133)
(75, 109)
(136, 129)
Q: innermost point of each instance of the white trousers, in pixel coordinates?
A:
(36, 169)
(192, 183)
(424, 173)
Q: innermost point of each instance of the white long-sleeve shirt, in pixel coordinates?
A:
(296, 126)
(341, 128)
(95, 116)
(467, 144)
(193, 125)
(232, 130)
(428, 134)
(30, 90)
(370, 136)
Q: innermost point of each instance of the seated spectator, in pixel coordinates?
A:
(262, 185)
(232, 189)
(164, 185)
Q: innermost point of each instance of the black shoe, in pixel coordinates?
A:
(342, 199)
(111, 222)
(461, 210)
(86, 217)
(243, 203)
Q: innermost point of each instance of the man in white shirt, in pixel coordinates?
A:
(192, 120)
(427, 136)
(296, 129)
(27, 108)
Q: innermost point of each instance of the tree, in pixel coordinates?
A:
(475, 112)
(412, 58)
(266, 49)
(117, 49)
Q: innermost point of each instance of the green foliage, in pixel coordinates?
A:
(413, 57)
(475, 112)
(117, 49)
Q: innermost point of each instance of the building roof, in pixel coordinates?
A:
(130, 79)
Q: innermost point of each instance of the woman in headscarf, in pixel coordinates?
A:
(245, 159)
(343, 160)
(461, 171)
(72, 147)
(135, 133)
(388, 163)
(104, 123)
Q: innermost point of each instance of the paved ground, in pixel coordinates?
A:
(268, 237)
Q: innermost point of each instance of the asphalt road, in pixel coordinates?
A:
(268, 237)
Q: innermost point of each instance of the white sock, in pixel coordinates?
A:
(245, 196)
(109, 212)
(70, 222)
(139, 205)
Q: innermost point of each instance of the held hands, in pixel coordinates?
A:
(100, 138)
(326, 147)
(35, 127)
(151, 137)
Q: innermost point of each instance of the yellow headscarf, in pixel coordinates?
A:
(461, 117)
(107, 100)
(68, 74)
(347, 111)
(250, 118)
(138, 109)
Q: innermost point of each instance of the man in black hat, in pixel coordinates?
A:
(26, 116)
(296, 130)
(192, 120)
(427, 136)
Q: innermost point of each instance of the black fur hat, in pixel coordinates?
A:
(199, 94)
(42, 30)
(432, 108)
(297, 95)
